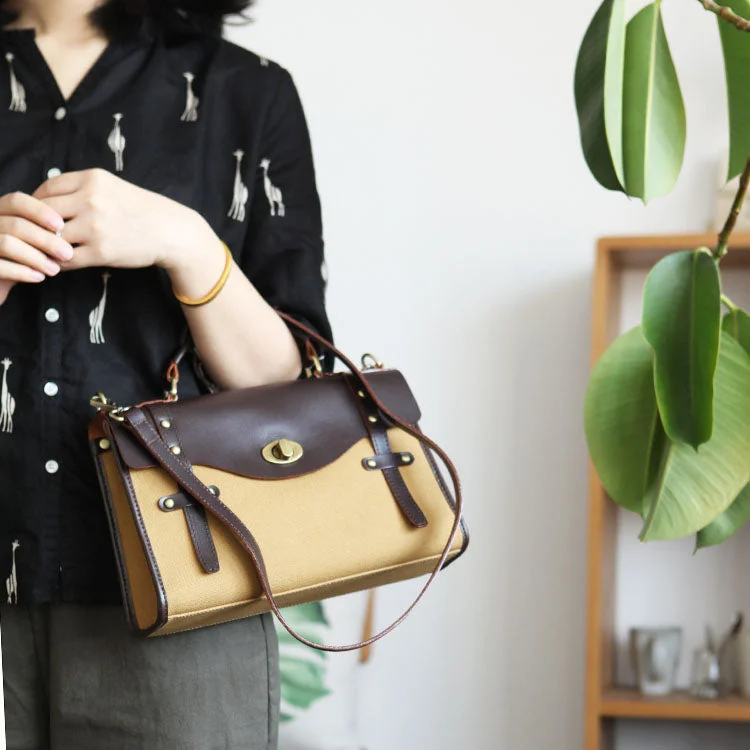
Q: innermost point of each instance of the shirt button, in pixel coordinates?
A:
(54, 172)
(60, 113)
(51, 389)
(52, 315)
(51, 467)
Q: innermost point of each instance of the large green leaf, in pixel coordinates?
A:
(621, 420)
(303, 681)
(728, 523)
(302, 668)
(736, 47)
(598, 92)
(737, 324)
(654, 125)
(694, 488)
(681, 321)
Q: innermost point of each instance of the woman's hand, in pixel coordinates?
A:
(115, 223)
(30, 250)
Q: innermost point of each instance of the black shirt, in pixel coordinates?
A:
(204, 122)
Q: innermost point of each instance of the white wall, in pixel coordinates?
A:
(460, 220)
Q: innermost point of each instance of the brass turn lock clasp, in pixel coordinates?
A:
(282, 451)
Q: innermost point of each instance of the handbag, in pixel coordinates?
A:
(234, 503)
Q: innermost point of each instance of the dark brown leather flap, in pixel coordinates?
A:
(228, 430)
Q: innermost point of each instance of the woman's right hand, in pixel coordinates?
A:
(30, 250)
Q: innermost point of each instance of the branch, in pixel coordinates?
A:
(729, 304)
(727, 14)
(739, 199)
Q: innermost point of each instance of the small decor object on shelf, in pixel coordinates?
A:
(727, 653)
(706, 675)
(656, 656)
(742, 643)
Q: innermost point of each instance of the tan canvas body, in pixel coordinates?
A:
(328, 532)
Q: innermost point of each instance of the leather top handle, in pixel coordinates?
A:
(136, 420)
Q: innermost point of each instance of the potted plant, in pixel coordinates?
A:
(667, 410)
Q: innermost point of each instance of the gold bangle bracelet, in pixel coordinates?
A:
(217, 287)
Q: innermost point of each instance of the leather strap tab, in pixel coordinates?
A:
(378, 430)
(195, 515)
(388, 461)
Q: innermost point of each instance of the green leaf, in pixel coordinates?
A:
(307, 620)
(681, 321)
(306, 613)
(302, 682)
(621, 420)
(728, 523)
(654, 124)
(737, 324)
(598, 92)
(694, 488)
(736, 47)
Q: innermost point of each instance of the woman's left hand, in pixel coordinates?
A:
(116, 223)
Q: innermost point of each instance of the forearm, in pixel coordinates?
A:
(239, 337)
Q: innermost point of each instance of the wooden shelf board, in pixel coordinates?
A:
(645, 250)
(629, 703)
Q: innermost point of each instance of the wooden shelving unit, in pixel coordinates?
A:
(605, 703)
(630, 704)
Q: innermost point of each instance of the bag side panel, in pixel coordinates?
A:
(139, 590)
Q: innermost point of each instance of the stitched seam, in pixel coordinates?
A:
(143, 534)
(114, 528)
(446, 493)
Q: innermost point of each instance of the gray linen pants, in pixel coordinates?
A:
(75, 678)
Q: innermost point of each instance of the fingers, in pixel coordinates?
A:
(67, 206)
(19, 252)
(29, 247)
(32, 209)
(35, 236)
(11, 271)
(64, 184)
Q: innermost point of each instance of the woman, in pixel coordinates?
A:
(135, 142)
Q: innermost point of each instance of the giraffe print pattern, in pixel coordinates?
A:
(191, 100)
(96, 316)
(11, 582)
(116, 143)
(274, 195)
(7, 402)
(17, 91)
(240, 193)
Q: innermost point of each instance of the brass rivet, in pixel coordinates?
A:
(213, 490)
(176, 450)
(104, 444)
(169, 503)
(165, 423)
(406, 459)
(372, 419)
(372, 463)
(361, 394)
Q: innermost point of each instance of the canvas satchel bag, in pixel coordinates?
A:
(234, 503)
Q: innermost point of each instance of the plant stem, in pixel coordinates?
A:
(739, 199)
(729, 304)
(727, 14)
